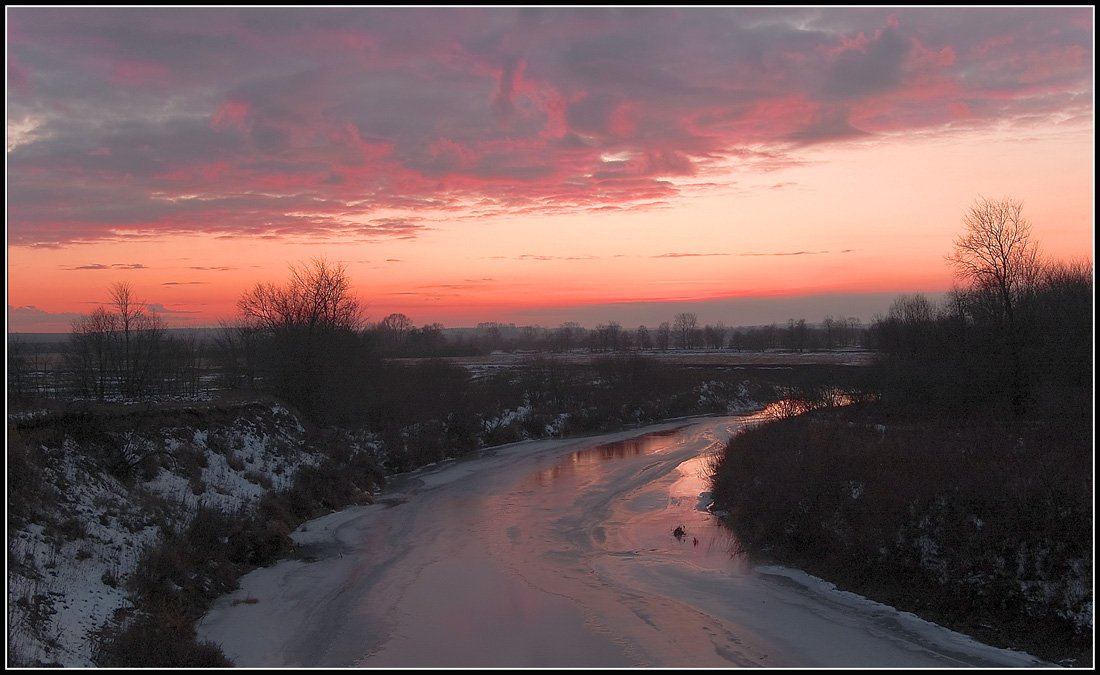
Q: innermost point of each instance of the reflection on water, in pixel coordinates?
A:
(590, 460)
(790, 407)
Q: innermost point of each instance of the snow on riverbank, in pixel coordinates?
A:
(440, 572)
(70, 557)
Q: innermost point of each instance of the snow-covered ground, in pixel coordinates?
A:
(561, 553)
(64, 584)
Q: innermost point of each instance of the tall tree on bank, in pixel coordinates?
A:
(310, 349)
(142, 333)
(117, 349)
(317, 297)
(996, 255)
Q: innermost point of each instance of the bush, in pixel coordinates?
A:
(966, 524)
(146, 642)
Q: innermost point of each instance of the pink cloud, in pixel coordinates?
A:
(1045, 65)
(232, 114)
(19, 75)
(130, 73)
(333, 114)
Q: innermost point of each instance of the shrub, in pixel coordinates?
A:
(965, 524)
(148, 642)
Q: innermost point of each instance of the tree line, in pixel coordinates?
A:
(396, 336)
(119, 350)
(1014, 336)
(123, 349)
(958, 486)
(1013, 327)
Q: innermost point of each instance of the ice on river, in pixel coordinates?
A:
(561, 553)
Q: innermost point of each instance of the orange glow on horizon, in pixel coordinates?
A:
(499, 183)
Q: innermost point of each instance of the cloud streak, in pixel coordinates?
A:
(114, 267)
(689, 255)
(785, 253)
(134, 124)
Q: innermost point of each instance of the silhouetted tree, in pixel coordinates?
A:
(317, 297)
(996, 255)
(236, 351)
(142, 335)
(117, 352)
(1060, 338)
(714, 336)
(683, 326)
(90, 356)
(796, 337)
(664, 336)
(832, 332)
(310, 349)
(606, 337)
(19, 371)
(429, 340)
(394, 333)
(566, 336)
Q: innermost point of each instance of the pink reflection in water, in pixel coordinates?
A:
(590, 461)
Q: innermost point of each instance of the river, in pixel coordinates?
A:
(561, 553)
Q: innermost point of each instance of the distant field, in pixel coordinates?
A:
(708, 357)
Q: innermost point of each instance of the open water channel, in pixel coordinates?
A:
(562, 553)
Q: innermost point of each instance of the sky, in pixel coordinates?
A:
(534, 165)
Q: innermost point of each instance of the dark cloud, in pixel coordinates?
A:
(30, 319)
(871, 68)
(158, 308)
(828, 124)
(265, 122)
(112, 267)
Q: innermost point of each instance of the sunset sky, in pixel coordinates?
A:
(534, 165)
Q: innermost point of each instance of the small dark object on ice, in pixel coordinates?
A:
(679, 532)
(695, 541)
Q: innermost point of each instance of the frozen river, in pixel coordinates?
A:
(561, 553)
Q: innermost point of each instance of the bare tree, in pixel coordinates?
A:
(683, 326)
(307, 339)
(90, 354)
(567, 336)
(908, 329)
(607, 336)
(127, 310)
(397, 323)
(664, 333)
(18, 371)
(796, 336)
(318, 295)
(141, 333)
(995, 252)
(996, 255)
(120, 351)
(395, 333)
(831, 330)
(715, 336)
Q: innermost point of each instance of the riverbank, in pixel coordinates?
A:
(983, 529)
(560, 553)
